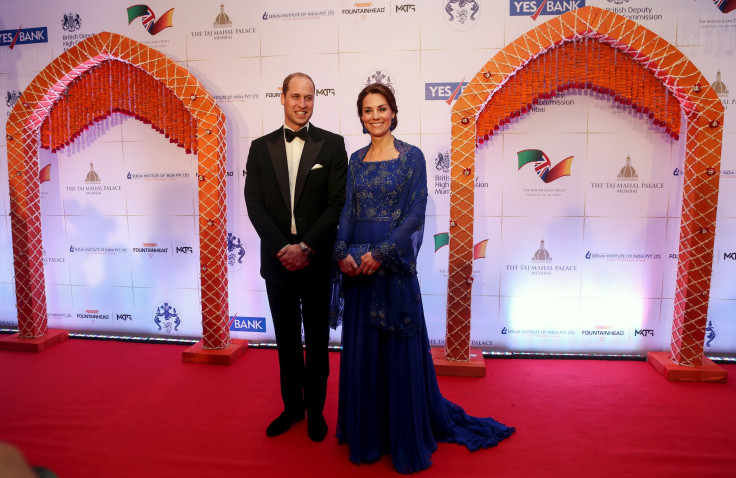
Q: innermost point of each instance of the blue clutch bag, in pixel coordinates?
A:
(357, 251)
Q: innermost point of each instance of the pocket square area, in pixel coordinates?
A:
(316, 166)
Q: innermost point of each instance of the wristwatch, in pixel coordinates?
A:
(305, 249)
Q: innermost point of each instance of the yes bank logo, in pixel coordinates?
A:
(534, 8)
(248, 324)
(447, 92)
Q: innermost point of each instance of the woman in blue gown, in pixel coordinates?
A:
(389, 400)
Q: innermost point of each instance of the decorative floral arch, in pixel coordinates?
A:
(602, 51)
(103, 74)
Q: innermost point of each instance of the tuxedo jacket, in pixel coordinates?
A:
(319, 195)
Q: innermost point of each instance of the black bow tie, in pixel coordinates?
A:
(290, 135)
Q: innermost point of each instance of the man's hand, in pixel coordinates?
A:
(293, 258)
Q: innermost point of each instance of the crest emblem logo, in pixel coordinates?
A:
(461, 14)
(380, 76)
(710, 334)
(442, 162)
(235, 252)
(11, 97)
(167, 319)
(71, 22)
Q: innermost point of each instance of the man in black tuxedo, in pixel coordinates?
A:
(294, 192)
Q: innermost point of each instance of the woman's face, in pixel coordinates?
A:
(376, 114)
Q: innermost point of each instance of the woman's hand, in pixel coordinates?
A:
(348, 266)
(368, 265)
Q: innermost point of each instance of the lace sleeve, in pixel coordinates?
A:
(347, 217)
(400, 249)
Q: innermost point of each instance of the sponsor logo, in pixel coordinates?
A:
(461, 14)
(151, 248)
(634, 13)
(184, 250)
(148, 18)
(721, 90)
(7, 323)
(725, 6)
(380, 76)
(726, 256)
(167, 319)
(557, 100)
(542, 164)
(123, 317)
(442, 162)
(364, 9)
(237, 97)
(159, 176)
(324, 92)
(442, 178)
(51, 260)
(535, 8)
(297, 16)
(222, 28)
(442, 239)
(447, 92)
(71, 22)
(623, 256)
(93, 315)
(537, 332)
(223, 19)
(728, 174)
(23, 36)
(482, 343)
(235, 253)
(274, 94)
(58, 315)
(627, 181)
(45, 174)
(405, 8)
(247, 324)
(92, 184)
(92, 176)
(541, 264)
(643, 332)
(603, 332)
(710, 334)
(98, 250)
(11, 98)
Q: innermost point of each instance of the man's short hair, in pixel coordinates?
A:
(287, 80)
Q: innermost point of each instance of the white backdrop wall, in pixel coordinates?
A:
(610, 243)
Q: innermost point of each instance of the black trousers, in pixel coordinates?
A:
(303, 299)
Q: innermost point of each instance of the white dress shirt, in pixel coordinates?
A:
(293, 156)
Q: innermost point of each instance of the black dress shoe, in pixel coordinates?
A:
(283, 423)
(317, 427)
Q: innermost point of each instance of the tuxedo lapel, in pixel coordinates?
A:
(277, 152)
(311, 150)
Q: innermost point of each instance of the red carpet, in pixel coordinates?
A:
(112, 409)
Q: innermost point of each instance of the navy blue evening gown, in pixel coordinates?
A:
(389, 399)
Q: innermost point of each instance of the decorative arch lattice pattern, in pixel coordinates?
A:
(604, 52)
(103, 74)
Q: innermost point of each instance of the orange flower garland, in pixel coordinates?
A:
(89, 98)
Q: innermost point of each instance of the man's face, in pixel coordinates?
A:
(298, 102)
